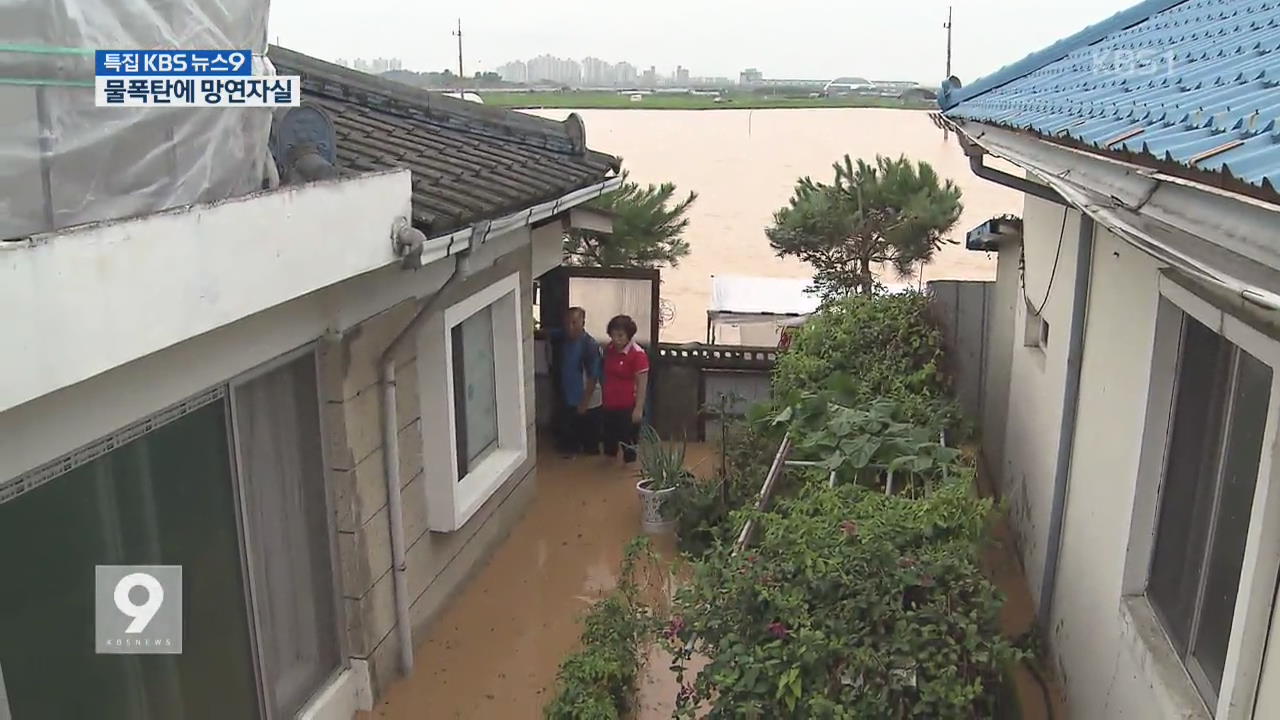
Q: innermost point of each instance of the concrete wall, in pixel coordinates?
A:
(960, 309)
(1088, 625)
(1100, 646)
(133, 287)
(438, 563)
(352, 322)
(1002, 307)
(1036, 377)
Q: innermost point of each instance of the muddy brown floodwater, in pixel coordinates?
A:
(744, 164)
(493, 652)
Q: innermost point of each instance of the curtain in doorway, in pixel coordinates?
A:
(287, 532)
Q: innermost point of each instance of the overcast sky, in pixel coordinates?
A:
(882, 40)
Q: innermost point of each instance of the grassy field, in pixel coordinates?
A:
(589, 100)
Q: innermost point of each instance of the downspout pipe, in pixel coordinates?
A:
(1067, 427)
(391, 456)
(1014, 182)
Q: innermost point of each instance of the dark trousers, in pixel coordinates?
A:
(577, 433)
(619, 430)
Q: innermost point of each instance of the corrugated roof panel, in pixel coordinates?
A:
(1189, 80)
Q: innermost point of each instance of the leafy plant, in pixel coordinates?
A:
(853, 604)
(648, 229)
(702, 507)
(867, 348)
(893, 212)
(598, 682)
(869, 444)
(662, 464)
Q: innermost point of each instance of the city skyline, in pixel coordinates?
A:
(798, 39)
(594, 72)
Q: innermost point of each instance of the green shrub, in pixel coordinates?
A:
(598, 682)
(885, 344)
(702, 507)
(853, 604)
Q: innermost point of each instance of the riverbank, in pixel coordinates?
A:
(603, 100)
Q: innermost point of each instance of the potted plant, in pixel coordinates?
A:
(661, 472)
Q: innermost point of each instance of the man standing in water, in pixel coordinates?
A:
(575, 371)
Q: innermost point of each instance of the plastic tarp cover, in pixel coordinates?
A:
(739, 298)
(65, 162)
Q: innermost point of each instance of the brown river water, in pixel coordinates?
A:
(744, 164)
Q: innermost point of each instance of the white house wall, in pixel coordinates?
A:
(40, 430)
(354, 322)
(1099, 661)
(1036, 378)
(101, 295)
(1095, 647)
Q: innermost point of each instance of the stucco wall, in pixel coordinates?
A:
(1095, 644)
(1094, 654)
(1036, 376)
(437, 563)
(352, 322)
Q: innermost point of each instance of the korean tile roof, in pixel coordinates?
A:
(469, 161)
(1192, 85)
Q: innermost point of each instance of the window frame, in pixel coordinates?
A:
(1261, 563)
(1035, 329)
(457, 358)
(468, 491)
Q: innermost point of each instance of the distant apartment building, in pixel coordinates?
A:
(514, 71)
(597, 72)
(553, 69)
(626, 74)
(374, 66)
(682, 75)
(590, 72)
(750, 76)
(650, 78)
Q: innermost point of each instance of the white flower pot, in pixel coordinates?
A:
(654, 518)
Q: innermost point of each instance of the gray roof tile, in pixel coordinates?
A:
(469, 161)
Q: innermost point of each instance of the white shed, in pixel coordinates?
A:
(746, 310)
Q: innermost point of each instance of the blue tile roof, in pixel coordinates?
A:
(1194, 83)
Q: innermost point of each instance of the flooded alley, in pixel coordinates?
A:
(494, 650)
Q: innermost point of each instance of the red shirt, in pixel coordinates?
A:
(620, 370)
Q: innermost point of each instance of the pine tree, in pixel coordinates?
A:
(895, 212)
(648, 229)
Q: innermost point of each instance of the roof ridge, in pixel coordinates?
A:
(433, 102)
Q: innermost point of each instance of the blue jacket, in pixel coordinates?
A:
(572, 363)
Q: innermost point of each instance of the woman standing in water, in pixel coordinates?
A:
(626, 379)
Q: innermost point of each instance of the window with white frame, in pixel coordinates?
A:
(1207, 575)
(484, 346)
(475, 390)
(1211, 471)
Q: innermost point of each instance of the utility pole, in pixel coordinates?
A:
(946, 132)
(948, 28)
(461, 76)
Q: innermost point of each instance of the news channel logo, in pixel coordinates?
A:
(188, 78)
(138, 609)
